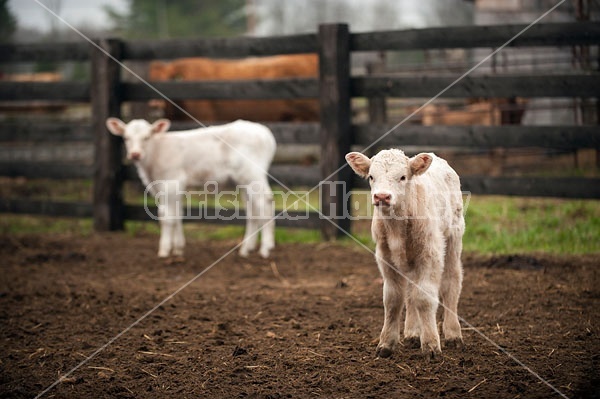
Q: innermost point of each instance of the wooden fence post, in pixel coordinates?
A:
(334, 99)
(108, 169)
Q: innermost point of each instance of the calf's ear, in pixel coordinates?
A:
(420, 163)
(115, 126)
(359, 163)
(161, 126)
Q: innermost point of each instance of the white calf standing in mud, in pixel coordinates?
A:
(418, 226)
(240, 152)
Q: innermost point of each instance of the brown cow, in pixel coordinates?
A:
(482, 112)
(282, 66)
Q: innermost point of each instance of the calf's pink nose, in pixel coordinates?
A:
(382, 199)
(136, 156)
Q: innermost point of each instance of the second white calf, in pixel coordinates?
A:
(240, 152)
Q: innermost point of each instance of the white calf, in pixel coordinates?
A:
(418, 226)
(240, 152)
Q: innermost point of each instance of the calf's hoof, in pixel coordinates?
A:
(412, 342)
(431, 353)
(243, 252)
(383, 351)
(174, 260)
(454, 343)
(264, 252)
(178, 253)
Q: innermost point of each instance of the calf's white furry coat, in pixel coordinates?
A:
(171, 162)
(418, 226)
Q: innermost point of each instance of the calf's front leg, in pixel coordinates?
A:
(394, 286)
(178, 239)
(165, 244)
(424, 300)
(171, 229)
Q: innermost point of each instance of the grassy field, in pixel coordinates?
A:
(495, 225)
(518, 225)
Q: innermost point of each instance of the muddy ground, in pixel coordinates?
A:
(301, 325)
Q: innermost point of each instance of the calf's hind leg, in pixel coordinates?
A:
(265, 217)
(259, 212)
(450, 289)
(251, 233)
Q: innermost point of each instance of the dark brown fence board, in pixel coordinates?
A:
(130, 173)
(561, 137)
(237, 47)
(295, 133)
(138, 213)
(46, 91)
(560, 187)
(303, 220)
(289, 219)
(52, 52)
(480, 86)
(46, 170)
(108, 168)
(551, 34)
(43, 207)
(223, 90)
(295, 175)
(507, 136)
(563, 187)
(42, 131)
(335, 115)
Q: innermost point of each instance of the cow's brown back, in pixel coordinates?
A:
(275, 67)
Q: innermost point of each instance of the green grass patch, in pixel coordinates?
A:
(25, 224)
(502, 225)
(495, 225)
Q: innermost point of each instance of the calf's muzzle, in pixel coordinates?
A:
(382, 199)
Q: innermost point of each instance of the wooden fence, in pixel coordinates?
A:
(334, 90)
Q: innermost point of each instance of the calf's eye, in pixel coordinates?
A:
(403, 178)
(370, 178)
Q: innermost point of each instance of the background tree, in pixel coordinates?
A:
(8, 22)
(151, 19)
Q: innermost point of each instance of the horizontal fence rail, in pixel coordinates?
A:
(568, 187)
(48, 52)
(564, 34)
(238, 47)
(480, 86)
(508, 136)
(424, 87)
(51, 91)
(309, 176)
(229, 90)
(40, 131)
(308, 220)
(559, 34)
(46, 170)
(334, 44)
